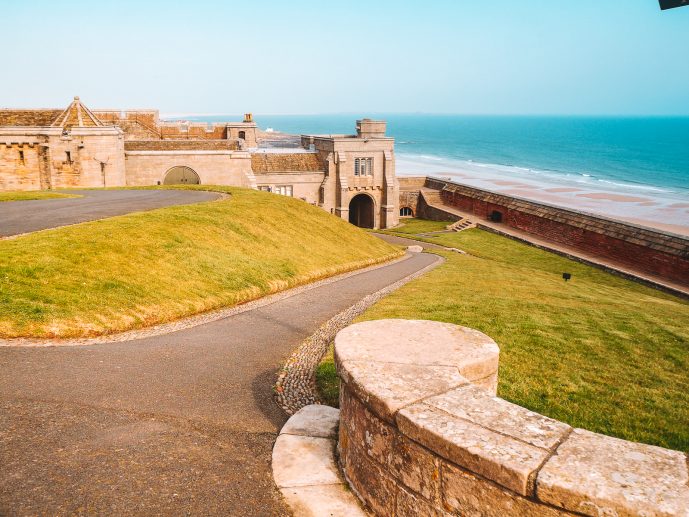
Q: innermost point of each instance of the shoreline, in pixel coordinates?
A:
(668, 214)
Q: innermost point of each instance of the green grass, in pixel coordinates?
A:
(412, 226)
(598, 352)
(33, 195)
(152, 267)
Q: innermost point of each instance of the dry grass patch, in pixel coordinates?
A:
(152, 267)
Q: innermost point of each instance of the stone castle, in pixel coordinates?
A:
(351, 176)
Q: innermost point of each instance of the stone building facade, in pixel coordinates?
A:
(351, 176)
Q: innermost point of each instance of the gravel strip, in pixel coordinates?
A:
(296, 384)
(192, 321)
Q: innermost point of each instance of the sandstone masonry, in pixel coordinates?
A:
(352, 176)
(422, 433)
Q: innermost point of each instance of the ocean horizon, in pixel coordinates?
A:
(632, 168)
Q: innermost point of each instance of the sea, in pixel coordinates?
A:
(634, 168)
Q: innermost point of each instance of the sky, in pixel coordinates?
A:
(539, 57)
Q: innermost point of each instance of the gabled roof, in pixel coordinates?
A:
(77, 115)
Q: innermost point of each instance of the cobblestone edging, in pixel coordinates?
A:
(296, 384)
(191, 321)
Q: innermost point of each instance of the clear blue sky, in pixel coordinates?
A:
(455, 56)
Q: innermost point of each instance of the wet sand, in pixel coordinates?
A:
(667, 215)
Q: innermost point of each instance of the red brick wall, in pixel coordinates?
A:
(673, 267)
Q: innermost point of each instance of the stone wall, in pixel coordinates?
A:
(148, 167)
(305, 185)
(44, 158)
(17, 173)
(422, 433)
(645, 249)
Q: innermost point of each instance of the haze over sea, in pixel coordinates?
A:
(635, 168)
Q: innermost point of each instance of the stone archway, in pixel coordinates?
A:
(361, 211)
(181, 176)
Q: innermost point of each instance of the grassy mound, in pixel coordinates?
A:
(598, 352)
(33, 195)
(412, 226)
(152, 267)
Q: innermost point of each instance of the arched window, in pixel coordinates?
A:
(242, 135)
(405, 211)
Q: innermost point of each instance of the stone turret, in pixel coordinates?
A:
(367, 128)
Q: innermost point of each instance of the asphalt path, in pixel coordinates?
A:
(177, 424)
(17, 217)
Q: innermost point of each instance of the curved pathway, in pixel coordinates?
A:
(182, 423)
(18, 217)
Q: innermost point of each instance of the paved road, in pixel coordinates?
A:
(176, 424)
(29, 216)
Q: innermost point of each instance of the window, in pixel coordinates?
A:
(264, 188)
(69, 156)
(363, 166)
(406, 212)
(242, 135)
(285, 190)
(22, 161)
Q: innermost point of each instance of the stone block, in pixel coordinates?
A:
(303, 461)
(323, 500)
(366, 431)
(374, 485)
(420, 343)
(386, 388)
(416, 468)
(411, 505)
(475, 405)
(313, 420)
(505, 460)
(600, 475)
(470, 496)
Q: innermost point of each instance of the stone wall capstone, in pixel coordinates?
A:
(422, 433)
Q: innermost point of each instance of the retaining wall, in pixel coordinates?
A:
(644, 249)
(422, 433)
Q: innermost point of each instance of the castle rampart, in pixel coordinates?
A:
(628, 245)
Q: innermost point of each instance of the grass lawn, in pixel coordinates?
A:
(33, 195)
(152, 267)
(413, 225)
(598, 352)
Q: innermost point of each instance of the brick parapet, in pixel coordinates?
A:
(646, 249)
(422, 433)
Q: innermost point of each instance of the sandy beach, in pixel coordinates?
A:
(652, 209)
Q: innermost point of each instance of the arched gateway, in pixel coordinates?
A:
(181, 175)
(361, 211)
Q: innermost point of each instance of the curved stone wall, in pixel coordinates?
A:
(422, 433)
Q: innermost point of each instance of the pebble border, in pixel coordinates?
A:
(296, 384)
(199, 319)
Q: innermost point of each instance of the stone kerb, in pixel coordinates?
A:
(422, 433)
